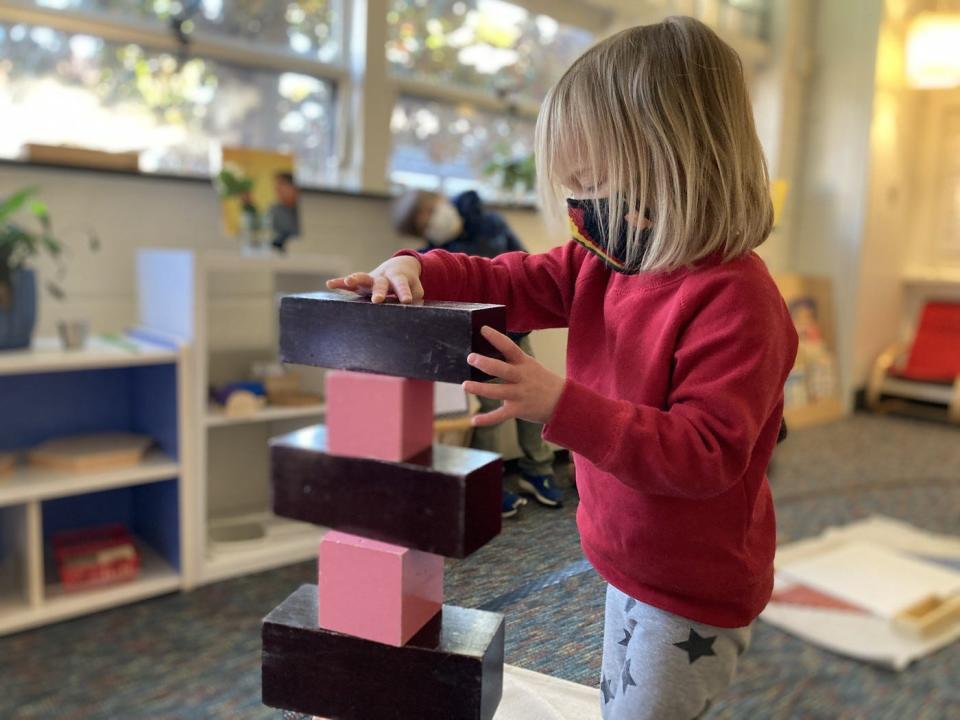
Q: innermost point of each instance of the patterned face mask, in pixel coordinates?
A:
(587, 223)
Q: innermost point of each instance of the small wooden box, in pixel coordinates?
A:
(95, 556)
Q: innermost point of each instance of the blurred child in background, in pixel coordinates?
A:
(464, 225)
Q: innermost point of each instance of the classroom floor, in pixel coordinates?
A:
(197, 655)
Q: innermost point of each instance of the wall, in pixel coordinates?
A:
(779, 91)
(128, 213)
(892, 196)
(830, 199)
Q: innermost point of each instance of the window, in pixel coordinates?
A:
(123, 97)
(448, 147)
(471, 74)
(486, 45)
(176, 79)
(311, 28)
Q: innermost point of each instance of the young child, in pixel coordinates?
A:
(679, 346)
(465, 225)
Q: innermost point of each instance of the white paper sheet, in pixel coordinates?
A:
(529, 695)
(880, 579)
(449, 399)
(863, 637)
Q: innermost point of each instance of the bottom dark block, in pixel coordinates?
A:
(451, 670)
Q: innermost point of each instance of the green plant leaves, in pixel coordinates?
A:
(13, 203)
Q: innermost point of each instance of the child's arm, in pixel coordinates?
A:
(537, 289)
(728, 386)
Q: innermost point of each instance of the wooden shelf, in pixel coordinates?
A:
(820, 412)
(216, 418)
(183, 293)
(30, 482)
(285, 542)
(306, 263)
(156, 577)
(933, 277)
(46, 355)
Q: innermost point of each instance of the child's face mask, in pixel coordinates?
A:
(588, 223)
(444, 224)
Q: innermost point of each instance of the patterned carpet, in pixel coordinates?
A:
(197, 655)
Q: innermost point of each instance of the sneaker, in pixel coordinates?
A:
(543, 488)
(511, 504)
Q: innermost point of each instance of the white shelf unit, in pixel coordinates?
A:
(215, 415)
(52, 391)
(225, 305)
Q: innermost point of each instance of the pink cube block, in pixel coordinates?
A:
(378, 416)
(377, 591)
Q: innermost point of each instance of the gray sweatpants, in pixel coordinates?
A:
(659, 666)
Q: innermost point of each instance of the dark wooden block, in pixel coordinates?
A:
(347, 332)
(444, 501)
(456, 676)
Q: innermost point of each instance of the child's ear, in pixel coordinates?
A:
(633, 218)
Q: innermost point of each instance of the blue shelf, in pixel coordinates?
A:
(149, 511)
(48, 394)
(40, 406)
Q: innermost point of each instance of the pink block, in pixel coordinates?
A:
(377, 591)
(378, 416)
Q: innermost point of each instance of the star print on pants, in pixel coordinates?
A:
(626, 638)
(630, 605)
(696, 646)
(608, 694)
(626, 678)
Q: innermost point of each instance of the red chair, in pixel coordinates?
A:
(930, 372)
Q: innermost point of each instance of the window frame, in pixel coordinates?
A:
(365, 89)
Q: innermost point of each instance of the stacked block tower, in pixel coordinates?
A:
(373, 639)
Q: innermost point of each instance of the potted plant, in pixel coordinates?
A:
(515, 174)
(230, 183)
(19, 243)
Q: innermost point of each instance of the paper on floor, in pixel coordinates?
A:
(883, 580)
(862, 636)
(529, 695)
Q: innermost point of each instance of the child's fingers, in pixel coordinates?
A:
(494, 417)
(511, 351)
(494, 367)
(418, 292)
(380, 288)
(351, 282)
(401, 286)
(488, 390)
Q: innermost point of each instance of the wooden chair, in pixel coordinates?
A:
(925, 373)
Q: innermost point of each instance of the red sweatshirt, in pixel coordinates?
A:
(671, 407)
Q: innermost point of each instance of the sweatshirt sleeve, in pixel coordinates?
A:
(729, 368)
(536, 289)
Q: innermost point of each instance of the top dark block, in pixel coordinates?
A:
(347, 332)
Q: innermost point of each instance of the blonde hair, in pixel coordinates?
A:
(661, 116)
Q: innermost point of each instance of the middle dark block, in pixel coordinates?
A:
(444, 501)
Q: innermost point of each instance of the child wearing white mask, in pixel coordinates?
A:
(464, 225)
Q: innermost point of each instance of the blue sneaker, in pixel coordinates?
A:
(543, 488)
(511, 504)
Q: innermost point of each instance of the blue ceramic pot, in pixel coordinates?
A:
(18, 320)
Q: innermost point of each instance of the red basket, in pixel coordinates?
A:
(95, 556)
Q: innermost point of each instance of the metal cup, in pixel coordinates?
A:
(73, 333)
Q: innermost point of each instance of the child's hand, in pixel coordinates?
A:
(400, 275)
(529, 391)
